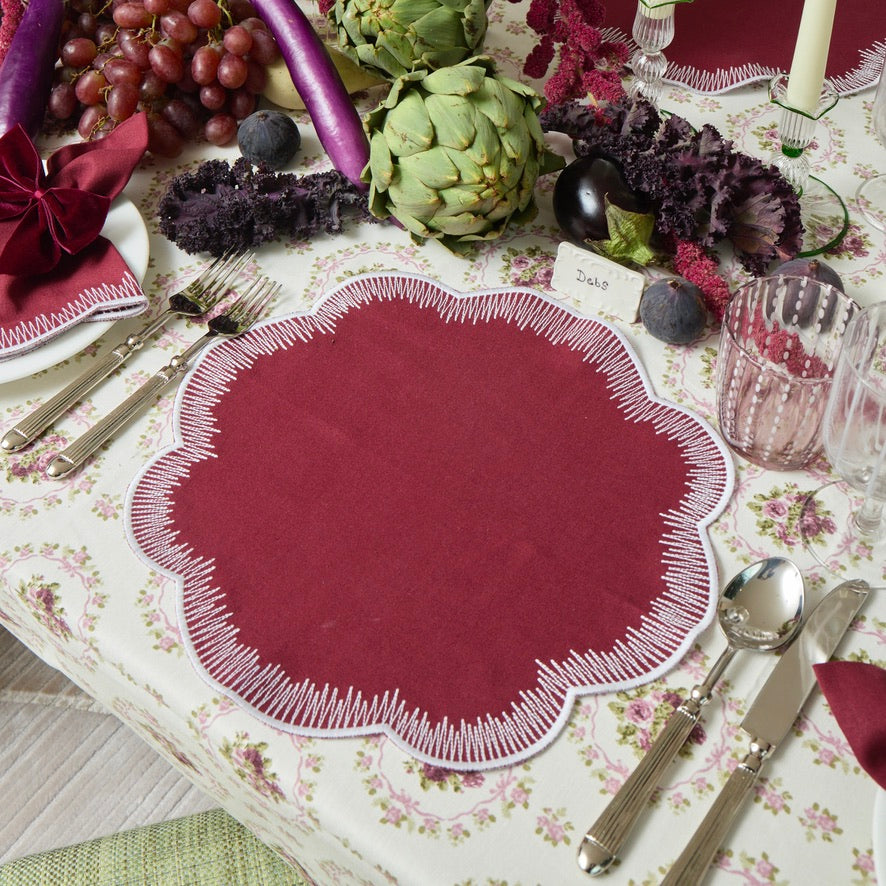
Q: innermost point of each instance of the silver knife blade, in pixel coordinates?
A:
(773, 711)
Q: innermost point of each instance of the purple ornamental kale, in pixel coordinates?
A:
(762, 220)
(701, 190)
(219, 206)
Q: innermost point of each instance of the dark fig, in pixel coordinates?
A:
(801, 306)
(810, 267)
(673, 310)
(268, 138)
(580, 195)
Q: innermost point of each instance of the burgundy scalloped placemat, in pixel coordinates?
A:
(436, 515)
(718, 46)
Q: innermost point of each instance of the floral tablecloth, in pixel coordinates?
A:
(359, 810)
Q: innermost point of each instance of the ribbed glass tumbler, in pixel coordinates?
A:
(779, 345)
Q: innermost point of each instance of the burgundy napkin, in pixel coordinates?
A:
(856, 692)
(718, 46)
(55, 268)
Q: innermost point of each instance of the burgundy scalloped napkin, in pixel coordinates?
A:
(94, 286)
(718, 46)
(856, 693)
(55, 268)
(436, 516)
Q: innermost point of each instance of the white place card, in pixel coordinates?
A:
(597, 284)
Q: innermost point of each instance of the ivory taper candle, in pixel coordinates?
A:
(810, 55)
(656, 9)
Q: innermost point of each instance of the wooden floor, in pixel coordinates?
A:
(70, 771)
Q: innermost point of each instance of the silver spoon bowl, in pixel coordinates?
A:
(761, 609)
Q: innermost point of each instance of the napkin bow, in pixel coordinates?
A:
(44, 215)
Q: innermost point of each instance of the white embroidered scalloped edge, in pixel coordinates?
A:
(108, 301)
(863, 75)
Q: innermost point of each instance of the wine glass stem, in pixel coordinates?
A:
(869, 518)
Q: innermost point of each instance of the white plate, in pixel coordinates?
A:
(879, 836)
(125, 228)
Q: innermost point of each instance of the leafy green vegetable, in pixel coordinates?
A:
(629, 236)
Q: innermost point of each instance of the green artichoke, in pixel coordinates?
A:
(454, 154)
(398, 36)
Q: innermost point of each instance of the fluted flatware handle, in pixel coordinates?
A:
(29, 428)
(608, 833)
(87, 444)
(696, 858)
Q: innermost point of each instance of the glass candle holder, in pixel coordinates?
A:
(653, 31)
(823, 213)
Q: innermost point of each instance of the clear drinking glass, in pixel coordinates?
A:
(778, 351)
(871, 193)
(854, 436)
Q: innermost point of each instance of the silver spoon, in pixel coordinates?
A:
(760, 609)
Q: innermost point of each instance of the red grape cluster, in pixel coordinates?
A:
(195, 67)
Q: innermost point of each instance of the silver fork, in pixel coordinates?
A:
(239, 317)
(198, 297)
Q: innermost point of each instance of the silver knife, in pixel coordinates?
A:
(769, 720)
